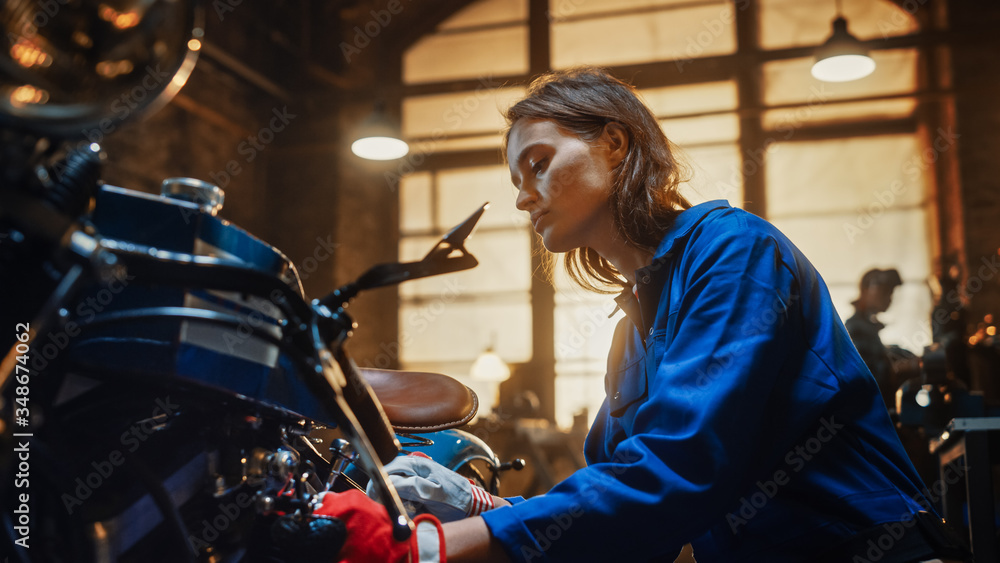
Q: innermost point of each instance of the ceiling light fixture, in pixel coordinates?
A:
(842, 57)
(379, 137)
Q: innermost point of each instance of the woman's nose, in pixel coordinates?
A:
(524, 198)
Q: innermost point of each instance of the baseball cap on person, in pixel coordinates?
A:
(888, 277)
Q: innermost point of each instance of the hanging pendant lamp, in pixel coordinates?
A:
(379, 137)
(842, 57)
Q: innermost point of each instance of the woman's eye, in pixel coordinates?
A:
(538, 166)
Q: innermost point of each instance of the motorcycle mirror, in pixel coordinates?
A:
(455, 239)
(448, 255)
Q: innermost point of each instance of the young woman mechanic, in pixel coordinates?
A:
(738, 418)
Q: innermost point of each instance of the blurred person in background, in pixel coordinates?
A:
(875, 296)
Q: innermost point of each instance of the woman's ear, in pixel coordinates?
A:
(617, 140)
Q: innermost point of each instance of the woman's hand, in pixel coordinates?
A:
(368, 532)
(425, 484)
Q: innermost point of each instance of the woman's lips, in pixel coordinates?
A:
(536, 216)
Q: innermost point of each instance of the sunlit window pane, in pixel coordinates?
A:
(415, 202)
(583, 334)
(583, 329)
(461, 143)
(893, 239)
(844, 175)
(668, 34)
(579, 386)
(785, 122)
(707, 142)
(487, 12)
(571, 9)
(691, 98)
(715, 174)
(463, 190)
(504, 264)
(441, 115)
(487, 52)
(700, 130)
(444, 329)
(794, 23)
(486, 38)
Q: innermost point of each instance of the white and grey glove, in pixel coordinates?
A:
(426, 486)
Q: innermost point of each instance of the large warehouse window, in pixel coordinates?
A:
(448, 321)
(841, 167)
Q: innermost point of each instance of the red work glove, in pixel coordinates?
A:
(369, 532)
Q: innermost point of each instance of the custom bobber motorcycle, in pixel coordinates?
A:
(169, 393)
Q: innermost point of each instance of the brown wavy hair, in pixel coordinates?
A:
(645, 197)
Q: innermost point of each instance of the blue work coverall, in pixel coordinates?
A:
(739, 417)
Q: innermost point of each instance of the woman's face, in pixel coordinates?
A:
(564, 183)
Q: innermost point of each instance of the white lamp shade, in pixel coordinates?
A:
(843, 68)
(490, 367)
(380, 148)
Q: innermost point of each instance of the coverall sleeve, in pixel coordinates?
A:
(695, 440)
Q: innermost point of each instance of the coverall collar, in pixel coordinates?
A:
(646, 277)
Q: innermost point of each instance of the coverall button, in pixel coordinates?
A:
(617, 395)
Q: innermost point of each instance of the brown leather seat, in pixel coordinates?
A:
(416, 401)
